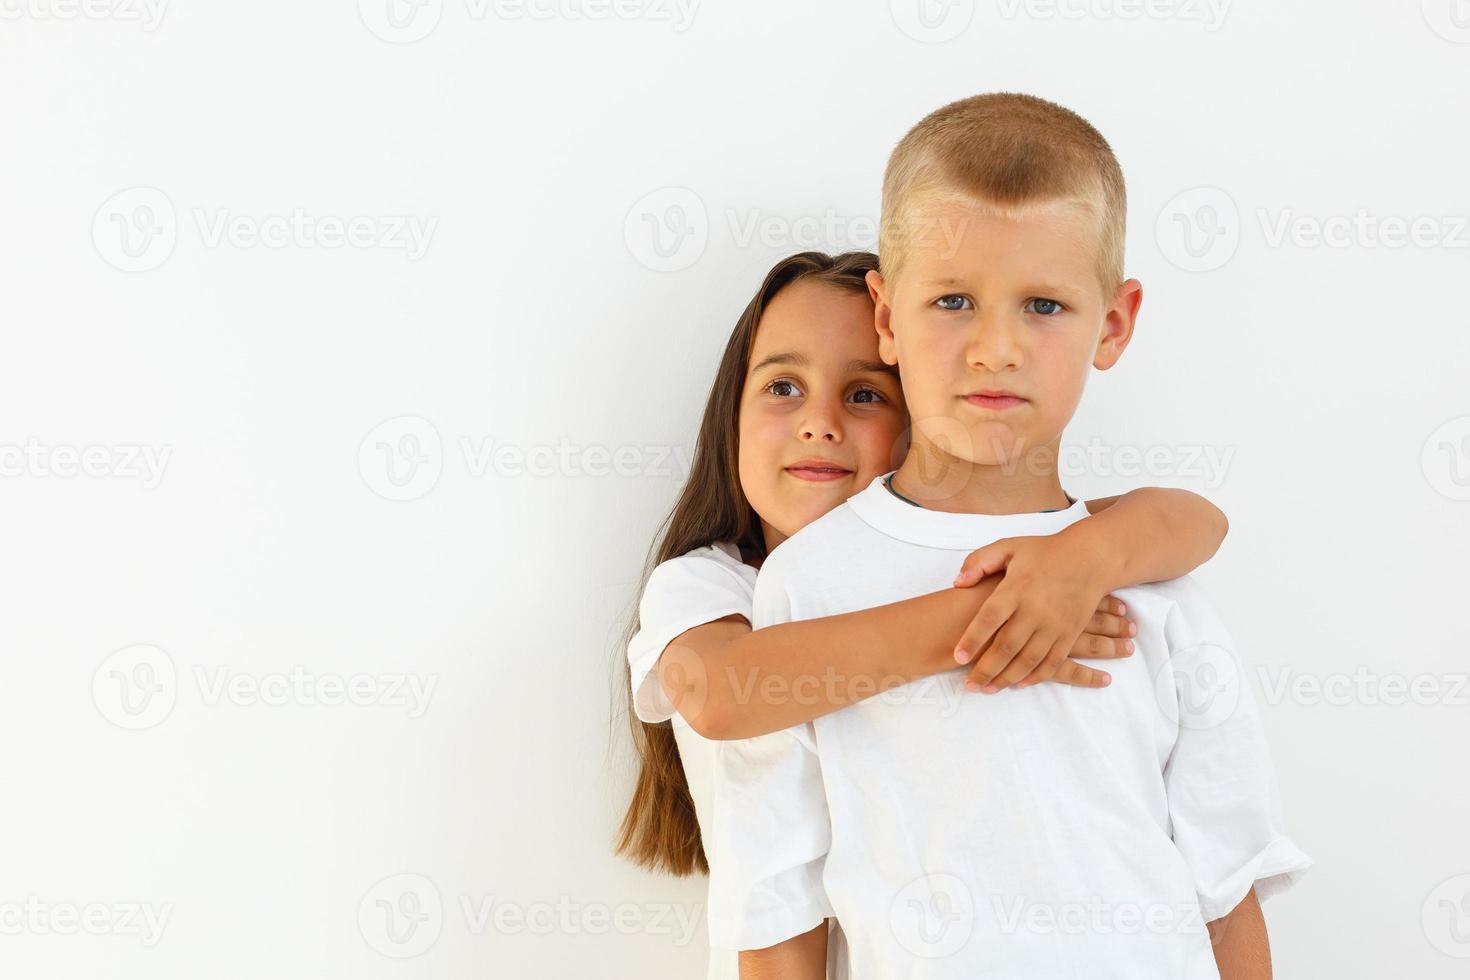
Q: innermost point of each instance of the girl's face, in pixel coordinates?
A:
(820, 414)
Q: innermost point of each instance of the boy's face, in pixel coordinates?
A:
(995, 323)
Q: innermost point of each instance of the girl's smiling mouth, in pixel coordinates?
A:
(818, 470)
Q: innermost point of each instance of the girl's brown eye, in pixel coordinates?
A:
(873, 396)
(780, 387)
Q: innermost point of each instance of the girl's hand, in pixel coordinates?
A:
(1049, 607)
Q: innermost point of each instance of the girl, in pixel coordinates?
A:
(803, 414)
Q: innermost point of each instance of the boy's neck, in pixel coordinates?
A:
(939, 481)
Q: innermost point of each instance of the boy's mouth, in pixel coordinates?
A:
(996, 399)
(817, 470)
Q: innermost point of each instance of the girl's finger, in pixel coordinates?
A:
(982, 562)
(1106, 624)
(1027, 662)
(993, 614)
(1047, 669)
(1081, 675)
(1009, 642)
(1092, 646)
(1112, 604)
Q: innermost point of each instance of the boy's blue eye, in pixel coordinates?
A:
(952, 303)
(1044, 307)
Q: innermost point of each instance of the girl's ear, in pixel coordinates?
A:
(1118, 324)
(882, 317)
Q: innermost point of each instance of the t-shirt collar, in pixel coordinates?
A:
(880, 509)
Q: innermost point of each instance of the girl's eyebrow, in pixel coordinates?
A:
(857, 366)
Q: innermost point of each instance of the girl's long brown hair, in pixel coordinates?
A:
(660, 831)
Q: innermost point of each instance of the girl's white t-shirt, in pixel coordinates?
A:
(698, 587)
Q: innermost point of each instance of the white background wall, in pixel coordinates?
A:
(261, 556)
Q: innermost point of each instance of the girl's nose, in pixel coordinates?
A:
(820, 427)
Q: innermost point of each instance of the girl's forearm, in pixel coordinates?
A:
(1149, 535)
(784, 675)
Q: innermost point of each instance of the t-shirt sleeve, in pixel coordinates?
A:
(1224, 806)
(681, 593)
(771, 828)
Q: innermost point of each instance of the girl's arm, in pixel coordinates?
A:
(1053, 582)
(1242, 948)
(802, 957)
(728, 682)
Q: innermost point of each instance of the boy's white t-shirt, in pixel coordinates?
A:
(1047, 832)
(699, 587)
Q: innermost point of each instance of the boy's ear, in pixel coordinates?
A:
(882, 317)
(1118, 324)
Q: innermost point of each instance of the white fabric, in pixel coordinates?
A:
(1042, 833)
(699, 587)
(702, 586)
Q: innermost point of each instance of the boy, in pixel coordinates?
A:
(1093, 833)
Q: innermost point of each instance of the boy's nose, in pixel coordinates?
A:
(995, 344)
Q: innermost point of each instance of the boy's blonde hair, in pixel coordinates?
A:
(1004, 150)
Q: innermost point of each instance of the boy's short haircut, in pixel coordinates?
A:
(1005, 150)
